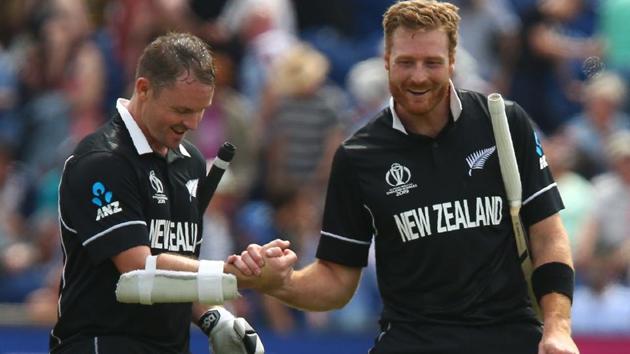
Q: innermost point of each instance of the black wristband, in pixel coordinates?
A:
(554, 277)
(208, 320)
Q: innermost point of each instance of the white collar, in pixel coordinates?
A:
(454, 102)
(137, 136)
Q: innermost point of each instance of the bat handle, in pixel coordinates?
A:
(211, 181)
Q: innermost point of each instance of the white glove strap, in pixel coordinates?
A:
(209, 284)
(145, 285)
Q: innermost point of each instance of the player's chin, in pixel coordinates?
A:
(416, 107)
(175, 140)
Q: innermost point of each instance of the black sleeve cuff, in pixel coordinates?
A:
(115, 241)
(343, 252)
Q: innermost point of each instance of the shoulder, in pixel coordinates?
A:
(111, 137)
(97, 162)
(104, 151)
(375, 131)
(477, 100)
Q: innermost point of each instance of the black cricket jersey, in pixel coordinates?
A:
(116, 193)
(437, 211)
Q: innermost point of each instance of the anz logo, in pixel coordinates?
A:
(102, 198)
(542, 159)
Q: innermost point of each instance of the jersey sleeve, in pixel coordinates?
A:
(346, 229)
(541, 197)
(100, 202)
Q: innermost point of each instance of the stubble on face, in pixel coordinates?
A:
(176, 110)
(419, 70)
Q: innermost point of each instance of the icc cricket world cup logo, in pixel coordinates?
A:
(397, 175)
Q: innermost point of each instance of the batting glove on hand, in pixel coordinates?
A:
(228, 334)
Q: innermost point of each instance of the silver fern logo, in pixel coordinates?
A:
(478, 159)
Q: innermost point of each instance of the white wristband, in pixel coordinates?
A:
(145, 285)
(209, 282)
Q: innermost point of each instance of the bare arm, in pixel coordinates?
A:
(135, 258)
(320, 286)
(550, 243)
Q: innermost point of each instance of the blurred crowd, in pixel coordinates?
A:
(294, 79)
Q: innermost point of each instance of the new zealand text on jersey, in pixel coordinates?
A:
(450, 216)
(173, 235)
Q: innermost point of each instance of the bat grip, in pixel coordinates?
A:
(211, 181)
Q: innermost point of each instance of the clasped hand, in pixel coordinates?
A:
(265, 268)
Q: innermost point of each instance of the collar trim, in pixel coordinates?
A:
(138, 138)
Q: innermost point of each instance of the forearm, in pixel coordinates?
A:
(135, 258)
(550, 244)
(177, 262)
(556, 309)
(321, 286)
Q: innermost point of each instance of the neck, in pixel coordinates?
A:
(429, 124)
(135, 109)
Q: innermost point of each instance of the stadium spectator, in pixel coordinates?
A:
(601, 305)
(543, 81)
(366, 84)
(602, 115)
(306, 122)
(489, 33)
(605, 237)
(576, 191)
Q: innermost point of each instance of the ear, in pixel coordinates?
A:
(142, 88)
(386, 59)
(451, 66)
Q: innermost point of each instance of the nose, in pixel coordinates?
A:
(419, 74)
(192, 122)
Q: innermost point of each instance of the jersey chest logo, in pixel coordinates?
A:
(477, 160)
(158, 188)
(398, 177)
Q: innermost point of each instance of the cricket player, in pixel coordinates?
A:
(128, 202)
(422, 181)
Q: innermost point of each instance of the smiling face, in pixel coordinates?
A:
(419, 69)
(169, 113)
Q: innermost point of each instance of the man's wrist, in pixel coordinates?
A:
(243, 281)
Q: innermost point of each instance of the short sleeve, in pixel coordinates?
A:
(100, 202)
(347, 226)
(541, 197)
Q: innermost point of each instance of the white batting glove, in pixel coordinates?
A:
(228, 334)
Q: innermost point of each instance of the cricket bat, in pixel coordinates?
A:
(513, 188)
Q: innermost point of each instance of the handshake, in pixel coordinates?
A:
(264, 268)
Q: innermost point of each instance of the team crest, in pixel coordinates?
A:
(191, 185)
(477, 160)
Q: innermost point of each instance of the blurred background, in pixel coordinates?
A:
(295, 77)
